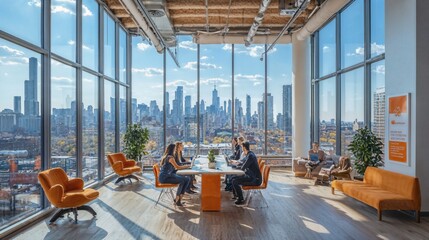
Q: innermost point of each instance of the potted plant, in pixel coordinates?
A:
(211, 158)
(367, 150)
(135, 140)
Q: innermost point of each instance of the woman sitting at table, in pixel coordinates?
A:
(180, 160)
(252, 175)
(168, 174)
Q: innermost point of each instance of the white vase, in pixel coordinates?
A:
(212, 165)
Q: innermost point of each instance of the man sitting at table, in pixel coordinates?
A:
(252, 175)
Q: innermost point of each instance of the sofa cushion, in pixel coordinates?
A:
(338, 184)
(379, 198)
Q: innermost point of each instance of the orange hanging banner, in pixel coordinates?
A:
(398, 128)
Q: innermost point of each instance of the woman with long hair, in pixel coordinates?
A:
(180, 160)
(168, 174)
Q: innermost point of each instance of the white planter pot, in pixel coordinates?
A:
(212, 165)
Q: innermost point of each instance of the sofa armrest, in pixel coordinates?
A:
(129, 163)
(55, 194)
(75, 184)
(118, 166)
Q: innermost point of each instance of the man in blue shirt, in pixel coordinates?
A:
(252, 176)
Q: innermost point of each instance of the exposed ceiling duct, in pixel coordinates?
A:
(161, 18)
(139, 19)
(326, 11)
(257, 21)
(233, 39)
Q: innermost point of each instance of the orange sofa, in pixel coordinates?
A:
(384, 190)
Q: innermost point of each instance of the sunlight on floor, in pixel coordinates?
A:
(350, 212)
(316, 227)
(280, 195)
(246, 226)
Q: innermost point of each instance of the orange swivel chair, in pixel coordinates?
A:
(165, 187)
(123, 167)
(265, 175)
(66, 194)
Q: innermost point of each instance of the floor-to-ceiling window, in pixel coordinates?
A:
(350, 84)
(63, 117)
(249, 100)
(279, 82)
(215, 92)
(20, 131)
(147, 94)
(182, 85)
(109, 122)
(89, 127)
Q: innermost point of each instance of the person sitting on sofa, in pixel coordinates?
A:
(343, 169)
(315, 159)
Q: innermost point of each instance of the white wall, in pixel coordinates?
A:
(301, 97)
(407, 70)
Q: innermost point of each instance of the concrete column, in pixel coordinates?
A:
(301, 97)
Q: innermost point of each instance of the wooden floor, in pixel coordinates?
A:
(296, 210)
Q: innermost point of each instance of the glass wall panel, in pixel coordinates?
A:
(378, 97)
(279, 135)
(327, 115)
(215, 92)
(20, 127)
(182, 85)
(249, 86)
(377, 27)
(122, 55)
(90, 34)
(109, 122)
(147, 94)
(122, 115)
(26, 17)
(89, 127)
(352, 106)
(63, 117)
(352, 34)
(109, 46)
(63, 28)
(327, 49)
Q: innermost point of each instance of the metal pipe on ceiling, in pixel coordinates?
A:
(257, 22)
(326, 11)
(301, 8)
(237, 39)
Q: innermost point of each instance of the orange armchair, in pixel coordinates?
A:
(165, 187)
(123, 167)
(66, 194)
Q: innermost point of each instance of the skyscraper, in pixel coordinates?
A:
(31, 105)
(17, 104)
(188, 105)
(229, 106)
(287, 108)
(270, 114)
(179, 104)
(224, 106)
(261, 110)
(379, 109)
(248, 110)
(167, 103)
(215, 100)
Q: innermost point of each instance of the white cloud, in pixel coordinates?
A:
(252, 78)
(175, 69)
(227, 47)
(381, 69)
(326, 49)
(8, 51)
(377, 49)
(143, 46)
(66, 1)
(84, 47)
(85, 11)
(148, 72)
(71, 42)
(212, 81)
(256, 83)
(184, 83)
(36, 3)
(188, 45)
(6, 74)
(193, 66)
(224, 85)
(61, 9)
(13, 60)
(204, 57)
(63, 80)
(253, 51)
